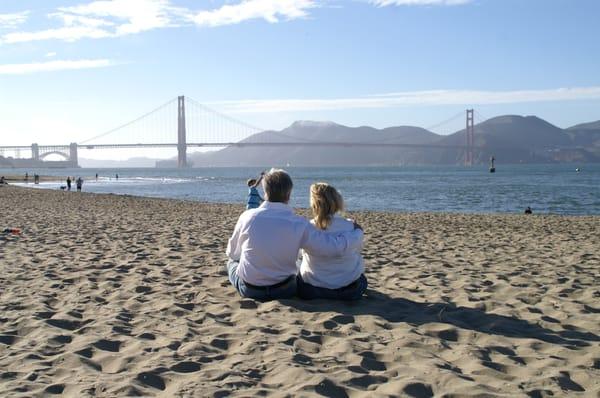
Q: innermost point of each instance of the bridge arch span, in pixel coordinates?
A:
(59, 153)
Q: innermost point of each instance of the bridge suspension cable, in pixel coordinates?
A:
(131, 123)
(479, 118)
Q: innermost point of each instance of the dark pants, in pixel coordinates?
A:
(284, 290)
(353, 291)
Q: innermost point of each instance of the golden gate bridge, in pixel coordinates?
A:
(199, 126)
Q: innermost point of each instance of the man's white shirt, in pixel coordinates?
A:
(266, 242)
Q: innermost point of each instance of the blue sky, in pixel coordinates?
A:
(72, 69)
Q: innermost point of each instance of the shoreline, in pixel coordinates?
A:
(304, 210)
(113, 295)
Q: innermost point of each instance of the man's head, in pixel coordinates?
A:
(277, 185)
(251, 182)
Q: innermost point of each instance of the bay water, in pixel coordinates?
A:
(546, 188)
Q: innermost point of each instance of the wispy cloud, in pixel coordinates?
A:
(384, 3)
(269, 10)
(410, 98)
(114, 18)
(13, 20)
(35, 67)
(100, 19)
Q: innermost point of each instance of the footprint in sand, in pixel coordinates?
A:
(186, 367)
(367, 380)
(143, 289)
(370, 362)
(418, 390)
(220, 344)
(108, 345)
(61, 339)
(8, 339)
(566, 383)
(55, 389)
(328, 388)
(151, 379)
(302, 359)
(86, 352)
(65, 324)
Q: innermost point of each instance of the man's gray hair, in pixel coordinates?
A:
(277, 185)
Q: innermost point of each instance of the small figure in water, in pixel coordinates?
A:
(254, 199)
(577, 170)
(528, 210)
(96, 176)
(26, 177)
(68, 183)
(79, 183)
(36, 179)
(117, 176)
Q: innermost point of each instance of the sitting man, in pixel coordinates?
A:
(264, 246)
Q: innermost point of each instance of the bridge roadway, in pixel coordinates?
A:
(232, 144)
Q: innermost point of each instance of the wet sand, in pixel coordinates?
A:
(105, 295)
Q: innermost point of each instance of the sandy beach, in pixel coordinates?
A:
(105, 295)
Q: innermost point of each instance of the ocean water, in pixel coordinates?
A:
(553, 188)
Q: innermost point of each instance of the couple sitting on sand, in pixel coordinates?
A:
(265, 243)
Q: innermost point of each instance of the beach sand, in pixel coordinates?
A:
(106, 295)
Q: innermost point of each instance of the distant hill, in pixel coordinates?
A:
(514, 139)
(586, 126)
(308, 131)
(510, 138)
(586, 135)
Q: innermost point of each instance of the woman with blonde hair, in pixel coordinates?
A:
(330, 277)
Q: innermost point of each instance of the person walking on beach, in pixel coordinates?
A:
(330, 277)
(68, 183)
(79, 183)
(265, 243)
(254, 199)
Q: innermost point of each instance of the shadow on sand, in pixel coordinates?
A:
(415, 313)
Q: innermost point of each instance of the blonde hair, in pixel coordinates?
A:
(325, 201)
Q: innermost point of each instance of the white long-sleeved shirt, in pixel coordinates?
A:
(332, 272)
(266, 242)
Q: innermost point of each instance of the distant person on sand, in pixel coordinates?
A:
(254, 199)
(68, 183)
(265, 243)
(330, 277)
(2, 181)
(528, 210)
(79, 183)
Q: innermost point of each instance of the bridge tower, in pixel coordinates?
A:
(73, 154)
(181, 142)
(470, 138)
(35, 151)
